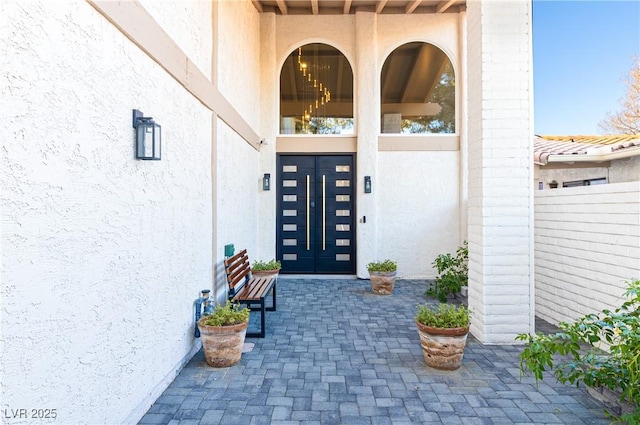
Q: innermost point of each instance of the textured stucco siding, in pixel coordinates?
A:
(269, 127)
(188, 23)
(615, 171)
(238, 57)
(421, 205)
(418, 196)
(102, 254)
(238, 185)
(440, 30)
(238, 182)
(587, 244)
(569, 174)
(294, 31)
(625, 170)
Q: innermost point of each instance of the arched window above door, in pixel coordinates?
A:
(316, 91)
(417, 89)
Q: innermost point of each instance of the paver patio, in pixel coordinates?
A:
(335, 353)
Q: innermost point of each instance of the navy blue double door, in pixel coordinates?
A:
(316, 220)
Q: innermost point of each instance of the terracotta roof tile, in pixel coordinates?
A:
(610, 139)
(545, 146)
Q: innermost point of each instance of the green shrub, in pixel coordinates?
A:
(445, 316)
(226, 315)
(618, 370)
(266, 265)
(453, 273)
(382, 266)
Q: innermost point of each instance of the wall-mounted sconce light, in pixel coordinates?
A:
(266, 182)
(148, 137)
(367, 184)
(553, 184)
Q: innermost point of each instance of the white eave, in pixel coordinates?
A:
(597, 154)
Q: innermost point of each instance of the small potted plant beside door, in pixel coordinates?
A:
(383, 276)
(443, 334)
(266, 268)
(222, 334)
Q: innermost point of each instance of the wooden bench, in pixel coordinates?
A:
(249, 290)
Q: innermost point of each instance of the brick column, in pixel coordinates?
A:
(500, 169)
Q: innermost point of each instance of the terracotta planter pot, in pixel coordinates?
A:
(442, 348)
(222, 345)
(382, 283)
(265, 273)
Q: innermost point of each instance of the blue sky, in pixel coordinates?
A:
(581, 52)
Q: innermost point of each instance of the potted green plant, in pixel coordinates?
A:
(383, 276)
(443, 334)
(266, 268)
(453, 273)
(222, 333)
(575, 354)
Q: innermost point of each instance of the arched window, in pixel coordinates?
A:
(316, 92)
(418, 91)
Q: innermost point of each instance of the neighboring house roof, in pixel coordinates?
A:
(584, 148)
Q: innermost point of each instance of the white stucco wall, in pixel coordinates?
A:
(102, 254)
(367, 123)
(440, 30)
(238, 172)
(238, 58)
(568, 174)
(294, 31)
(269, 126)
(625, 170)
(191, 31)
(418, 199)
(422, 203)
(587, 244)
(238, 185)
(615, 171)
(366, 39)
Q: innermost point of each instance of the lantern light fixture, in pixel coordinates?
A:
(266, 181)
(148, 137)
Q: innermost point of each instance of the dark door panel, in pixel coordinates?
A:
(297, 205)
(316, 214)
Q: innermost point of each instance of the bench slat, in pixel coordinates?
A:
(254, 289)
(238, 277)
(249, 290)
(237, 268)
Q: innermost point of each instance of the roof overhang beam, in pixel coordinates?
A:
(282, 5)
(444, 5)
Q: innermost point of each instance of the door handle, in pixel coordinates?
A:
(308, 212)
(324, 212)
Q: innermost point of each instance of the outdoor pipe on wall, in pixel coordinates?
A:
(204, 306)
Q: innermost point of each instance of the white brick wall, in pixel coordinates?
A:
(587, 244)
(500, 134)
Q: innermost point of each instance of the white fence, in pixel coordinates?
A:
(587, 245)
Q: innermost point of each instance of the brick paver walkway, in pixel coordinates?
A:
(335, 353)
